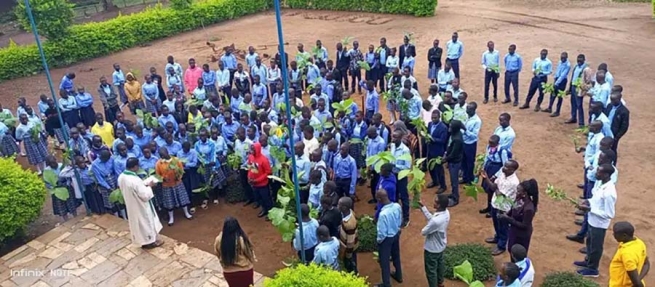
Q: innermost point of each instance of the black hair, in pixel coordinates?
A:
(518, 252)
(512, 272)
(531, 188)
(624, 227)
(611, 155)
(232, 235)
(132, 162)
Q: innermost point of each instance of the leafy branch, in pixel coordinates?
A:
(52, 185)
(464, 272)
(559, 194)
(417, 181)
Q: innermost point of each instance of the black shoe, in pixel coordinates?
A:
(372, 201)
(524, 106)
(537, 108)
(488, 215)
(491, 240)
(441, 190)
(256, 206)
(483, 211)
(575, 238)
(580, 185)
(516, 103)
(548, 110)
(485, 101)
(579, 212)
(398, 279)
(431, 185)
(570, 121)
(506, 101)
(583, 250)
(452, 202)
(579, 222)
(262, 214)
(249, 202)
(554, 115)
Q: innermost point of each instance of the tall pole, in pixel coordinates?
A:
(287, 102)
(28, 8)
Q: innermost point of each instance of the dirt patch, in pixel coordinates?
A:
(543, 145)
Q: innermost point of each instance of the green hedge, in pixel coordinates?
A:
(313, 276)
(22, 194)
(567, 279)
(420, 8)
(479, 255)
(94, 39)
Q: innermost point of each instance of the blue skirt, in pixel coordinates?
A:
(173, 197)
(94, 199)
(36, 150)
(71, 118)
(214, 177)
(433, 71)
(152, 107)
(191, 180)
(88, 116)
(8, 145)
(69, 206)
(356, 153)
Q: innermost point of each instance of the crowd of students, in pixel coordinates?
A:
(192, 120)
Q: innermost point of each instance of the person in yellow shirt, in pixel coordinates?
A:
(630, 263)
(134, 93)
(103, 129)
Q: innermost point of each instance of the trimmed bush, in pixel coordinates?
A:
(420, 8)
(477, 254)
(52, 17)
(366, 234)
(314, 276)
(96, 39)
(567, 279)
(22, 194)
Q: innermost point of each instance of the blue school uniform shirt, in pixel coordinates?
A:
(114, 145)
(415, 107)
(593, 146)
(190, 158)
(304, 166)
(358, 130)
(389, 221)
(513, 62)
(143, 141)
(322, 116)
(235, 103)
(315, 97)
(388, 183)
(220, 145)
(372, 101)
(516, 283)
(150, 91)
(326, 253)
(42, 107)
(278, 102)
(375, 146)
(313, 74)
(85, 175)
(209, 78)
(607, 125)
(66, 84)
(251, 59)
(206, 151)
(260, 71)
(309, 235)
(229, 131)
(119, 163)
(315, 193)
(444, 77)
(346, 167)
(397, 152)
(454, 50)
(166, 119)
(545, 65)
(259, 93)
(173, 148)
(160, 142)
(67, 105)
(148, 164)
(80, 144)
(471, 130)
(490, 59)
(229, 61)
(136, 151)
(118, 78)
(495, 155)
(507, 136)
(562, 72)
(84, 100)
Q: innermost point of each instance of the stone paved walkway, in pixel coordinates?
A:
(97, 251)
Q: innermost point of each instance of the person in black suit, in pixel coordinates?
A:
(343, 62)
(619, 117)
(406, 49)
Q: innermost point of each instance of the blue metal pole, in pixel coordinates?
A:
(28, 8)
(287, 102)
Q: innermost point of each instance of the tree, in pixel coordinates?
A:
(52, 17)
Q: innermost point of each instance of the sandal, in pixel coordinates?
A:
(204, 205)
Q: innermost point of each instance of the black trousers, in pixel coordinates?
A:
(264, 197)
(375, 179)
(343, 186)
(490, 77)
(344, 78)
(309, 254)
(389, 249)
(535, 85)
(247, 189)
(595, 240)
(355, 77)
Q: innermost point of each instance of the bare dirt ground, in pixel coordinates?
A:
(620, 34)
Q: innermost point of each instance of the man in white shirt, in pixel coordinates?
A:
(601, 208)
(520, 258)
(435, 240)
(504, 184)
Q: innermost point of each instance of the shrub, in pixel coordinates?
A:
(52, 17)
(234, 192)
(95, 39)
(419, 8)
(366, 234)
(479, 256)
(567, 279)
(22, 194)
(314, 276)
(180, 4)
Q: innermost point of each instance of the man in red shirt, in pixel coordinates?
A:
(191, 76)
(259, 168)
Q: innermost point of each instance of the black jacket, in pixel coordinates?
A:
(343, 60)
(411, 50)
(434, 56)
(621, 121)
